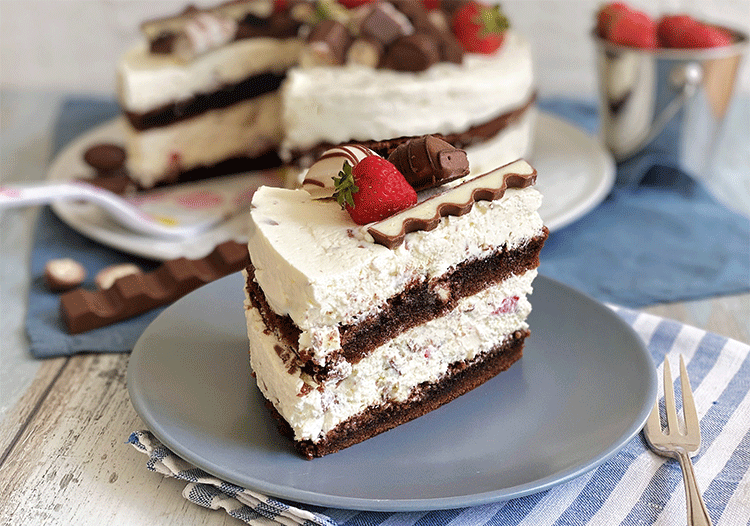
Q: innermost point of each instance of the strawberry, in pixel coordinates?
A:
(634, 29)
(701, 35)
(351, 4)
(605, 14)
(373, 190)
(479, 28)
(670, 27)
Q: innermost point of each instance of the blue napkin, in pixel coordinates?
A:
(48, 336)
(660, 236)
(662, 239)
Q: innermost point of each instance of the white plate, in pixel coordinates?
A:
(583, 388)
(575, 174)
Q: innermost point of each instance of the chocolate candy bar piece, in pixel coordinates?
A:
(414, 53)
(385, 24)
(428, 161)
(83, 310)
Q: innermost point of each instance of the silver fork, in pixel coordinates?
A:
(672, 443)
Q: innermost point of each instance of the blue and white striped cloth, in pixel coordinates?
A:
(633, 487)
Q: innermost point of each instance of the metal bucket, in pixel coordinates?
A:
(672, 102)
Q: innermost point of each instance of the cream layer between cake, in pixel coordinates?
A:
(316, 266)
(356, 103)
(246, 129)
(147, 81)
(390, 373)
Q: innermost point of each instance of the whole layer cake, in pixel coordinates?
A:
(247, 80)
(357, 329)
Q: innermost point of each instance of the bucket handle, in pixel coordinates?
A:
(684, 78)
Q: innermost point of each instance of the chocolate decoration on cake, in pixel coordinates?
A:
(83, 310)
(456, 201)
(181, 34)
(105, 158)
(429, 161)
(385, 24)
(413, 53)
(326, 44)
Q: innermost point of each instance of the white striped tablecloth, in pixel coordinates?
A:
(634, 487)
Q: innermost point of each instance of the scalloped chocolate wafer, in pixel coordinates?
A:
(83, 310)
(456, 201)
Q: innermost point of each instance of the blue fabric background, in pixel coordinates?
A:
(658, 237)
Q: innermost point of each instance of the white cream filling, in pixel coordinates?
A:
(339, 105)
(147, 81)
(390, 372)
(248, 128)
(313, 264)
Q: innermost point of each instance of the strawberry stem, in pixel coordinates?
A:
(491, 20)
(345, 186)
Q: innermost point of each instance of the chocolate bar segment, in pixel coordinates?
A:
(429, 161)
(456, 201)
(83, 310)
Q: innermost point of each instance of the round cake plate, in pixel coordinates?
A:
(575, 174)
(582, 390)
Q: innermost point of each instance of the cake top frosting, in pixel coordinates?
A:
(402, 35)
(317, 266)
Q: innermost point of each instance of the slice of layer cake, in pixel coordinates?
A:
(356, 329)
(200, 93)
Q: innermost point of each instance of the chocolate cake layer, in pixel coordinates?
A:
(227, 95)
(474, 135)
(460, 379)
(419, 303)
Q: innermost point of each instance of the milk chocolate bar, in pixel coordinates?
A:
(83, 310)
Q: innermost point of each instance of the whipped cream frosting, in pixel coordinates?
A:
(391, 372)
(357, 103)
(147, 81)
(315, 265)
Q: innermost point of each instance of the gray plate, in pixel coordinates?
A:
(583, 389)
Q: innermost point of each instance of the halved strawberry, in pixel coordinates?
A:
(373, 190)
(479, 28)
(632, 28)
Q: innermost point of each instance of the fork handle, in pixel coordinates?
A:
(697, 514)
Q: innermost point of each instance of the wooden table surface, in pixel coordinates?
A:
(63, 452)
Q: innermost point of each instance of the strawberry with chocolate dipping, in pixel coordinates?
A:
(480, 28)
(373, 190)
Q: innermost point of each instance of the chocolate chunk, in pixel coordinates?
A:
(429, 161)
(385, 24)
(163, 44)
(63, 274)
(118, 183)
(413, 53)
(105, 158)
(107, 276)
(455, 201)
(327, 43)
(83, 310)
